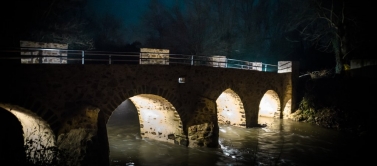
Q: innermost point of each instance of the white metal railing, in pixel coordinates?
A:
(58, 56)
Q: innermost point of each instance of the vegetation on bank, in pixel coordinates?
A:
(338, 101)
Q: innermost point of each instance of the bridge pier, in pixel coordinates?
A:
(79, 138)
(203, 129)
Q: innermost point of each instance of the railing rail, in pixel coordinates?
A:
(66, 56)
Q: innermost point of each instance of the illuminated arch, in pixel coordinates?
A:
(12, 139)
(39, 139)
(158, 119)
(287, 109)
(269, 105)
(230, 109)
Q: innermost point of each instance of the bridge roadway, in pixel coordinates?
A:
(66, 107)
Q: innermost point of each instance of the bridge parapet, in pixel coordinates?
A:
(146, 56)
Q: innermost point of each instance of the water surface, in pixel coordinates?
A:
(281, 142)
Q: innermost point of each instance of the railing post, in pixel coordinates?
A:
(265, 67)
(82, 56)
(192, 60)
(60, 55)
(109, 59)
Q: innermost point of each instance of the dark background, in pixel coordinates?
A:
(252, 30)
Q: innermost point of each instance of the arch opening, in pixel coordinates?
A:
(269, 107)
(38, 139)
(145, 120)
(144, 117)
(230, 110)
(158, 119)
(123, 131)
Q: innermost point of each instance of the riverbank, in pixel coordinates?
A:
(343, 102)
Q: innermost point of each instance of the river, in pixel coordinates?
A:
(281, 142)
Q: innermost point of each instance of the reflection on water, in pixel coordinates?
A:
(281, 142)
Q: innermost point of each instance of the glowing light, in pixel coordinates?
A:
(38, 137)
(269, 106)
(158, 118)
(230, 109)
(148, 114)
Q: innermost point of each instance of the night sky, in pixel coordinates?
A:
(251, 30)
(130, 11)
(127, 10)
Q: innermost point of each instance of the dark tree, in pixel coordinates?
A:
(108, 32)
(200, 28)
(331, 26)
(249, 30)
(262, 30)
(60, 21)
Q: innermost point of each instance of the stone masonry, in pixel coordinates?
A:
(79, 99)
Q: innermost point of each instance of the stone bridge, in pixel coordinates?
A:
(58, 113)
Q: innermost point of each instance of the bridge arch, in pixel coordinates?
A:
(269, 106)
(38, 139)
(230, 109)
(12, 139)
(158, 119)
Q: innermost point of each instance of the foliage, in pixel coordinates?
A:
(320, 74)
(108, 32)
(330, 26)
(61, 21)
(56, 21)
(250, 30)
(338, 102)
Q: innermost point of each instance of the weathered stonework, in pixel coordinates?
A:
(158, 119)
(202, 135)
(154, 56)
(77, 137)
(203, 129)
(230, 109)
(50, 59)
(55, 92)
(287, 110)
(217, 61)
